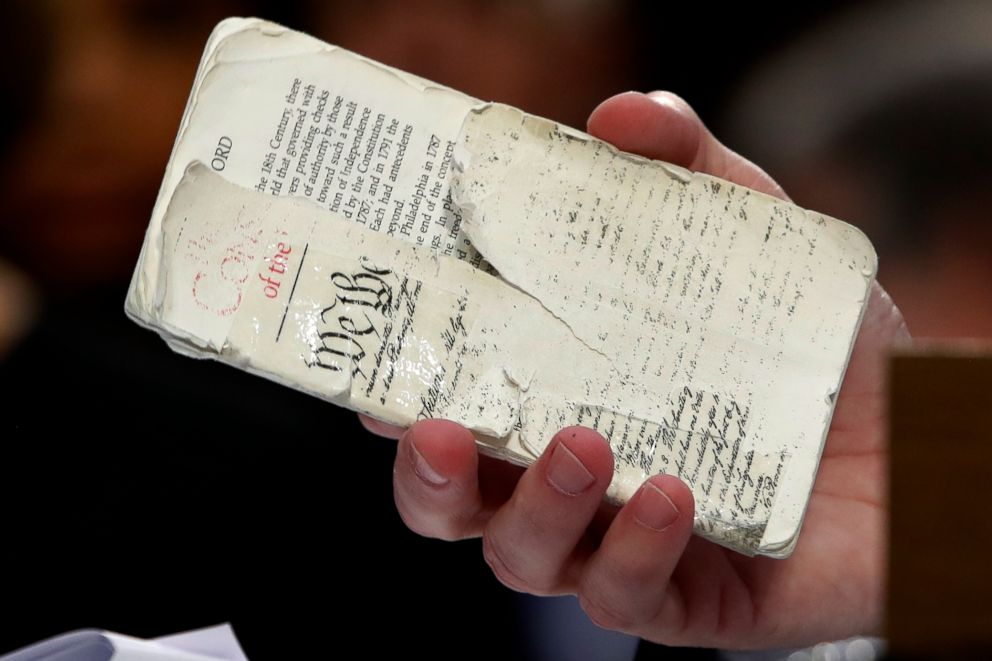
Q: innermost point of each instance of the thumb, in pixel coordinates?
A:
(662, 126)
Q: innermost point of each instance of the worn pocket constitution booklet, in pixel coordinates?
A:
(406, 251)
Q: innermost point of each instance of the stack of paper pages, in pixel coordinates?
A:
(409, 252)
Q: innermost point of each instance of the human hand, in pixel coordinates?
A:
(546, 530)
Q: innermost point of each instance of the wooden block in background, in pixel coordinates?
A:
(940, 570)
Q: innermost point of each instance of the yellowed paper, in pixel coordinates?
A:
(740, 305)
(319, 236)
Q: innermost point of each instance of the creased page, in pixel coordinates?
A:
(733, 312)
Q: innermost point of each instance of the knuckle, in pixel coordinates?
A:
(434, 525)
(450, 530)
(528, 519)
(606, 615)
(629, 575)
(509, 573)
(449, 514)
(532, 521)
(412, 522)
(494, 558)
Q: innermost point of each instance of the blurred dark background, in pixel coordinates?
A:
(146, 493)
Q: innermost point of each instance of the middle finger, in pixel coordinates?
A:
(530, 540)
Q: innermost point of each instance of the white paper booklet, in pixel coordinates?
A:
(210, 644)
(406, 251)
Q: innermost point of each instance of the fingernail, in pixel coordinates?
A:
(654, 509)
(424, 470)
(566, 473)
